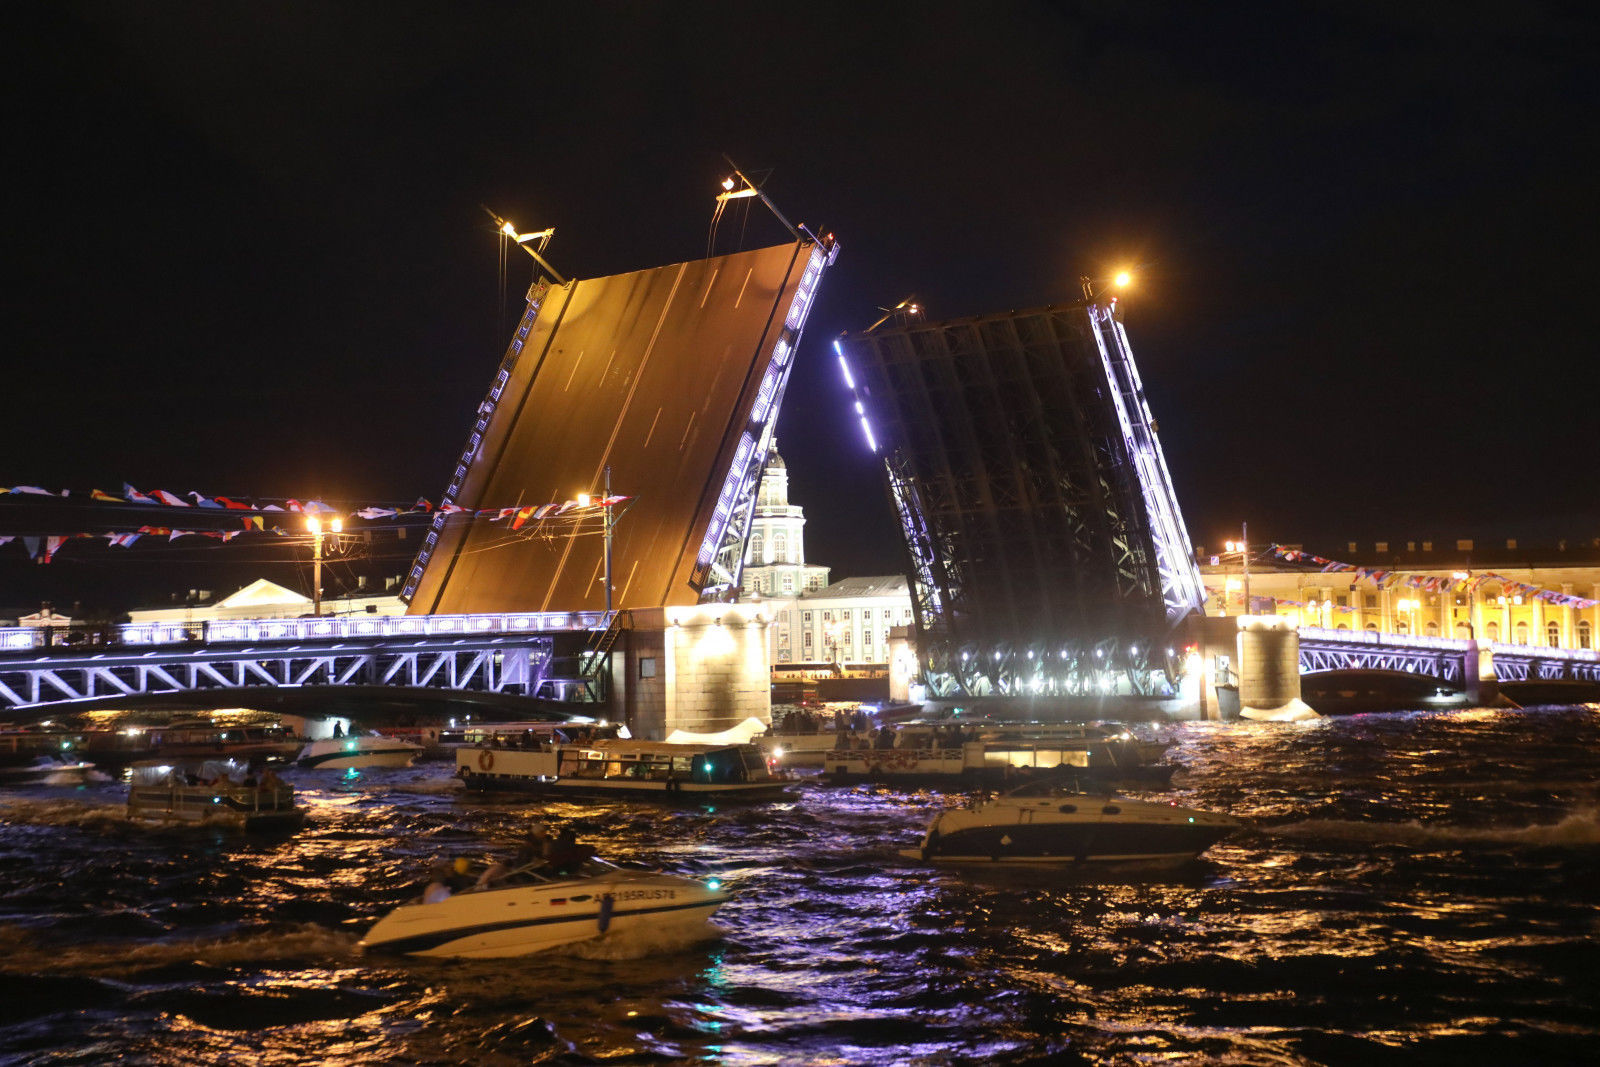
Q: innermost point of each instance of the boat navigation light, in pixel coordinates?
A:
(715, 884)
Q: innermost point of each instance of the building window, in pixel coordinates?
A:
(780, 549)
(1402, 627)
(827, 616)
(755, 549)
(1369, 601)
(647, 666)
(1491, 630)
(1552, 634)
(1585, 635)
(1372, 627)
(1463, 632)
(806, 617)
(806, 641)
(788, 583)
(1432, 629)
(844, 616)
(1522, 633)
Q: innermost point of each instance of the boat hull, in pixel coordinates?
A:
(522, 920)
(356, 753)
(1072, 829)
(625, 788)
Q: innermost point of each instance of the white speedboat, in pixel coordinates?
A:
(533, 910)
(48, 770)
(1051, 822)
(357, 751)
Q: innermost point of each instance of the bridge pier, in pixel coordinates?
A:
(1250, 668)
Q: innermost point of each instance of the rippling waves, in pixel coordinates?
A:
(1412, 888)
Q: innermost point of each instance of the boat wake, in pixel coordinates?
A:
(1578, 829)
(60, 812)
(636, 944)
(20, 953)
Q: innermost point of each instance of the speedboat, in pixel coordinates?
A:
(533, 909)
(358, 750)
(1052, 822)
(48, 770)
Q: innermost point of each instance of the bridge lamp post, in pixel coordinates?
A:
(314, 524)
(1242, 546)
(1472, 629)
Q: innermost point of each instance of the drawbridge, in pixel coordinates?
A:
(1046, 550)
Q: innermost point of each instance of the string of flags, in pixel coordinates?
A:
(1433, 583)
(43, 549)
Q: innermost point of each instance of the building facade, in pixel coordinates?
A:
(811, 621)
(1547, 595)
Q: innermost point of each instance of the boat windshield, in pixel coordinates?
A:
(1049, 787)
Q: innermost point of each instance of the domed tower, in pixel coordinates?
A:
(775, 552)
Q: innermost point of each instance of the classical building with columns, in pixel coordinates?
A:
(775, 553)
(810, 620)
(1499, 591)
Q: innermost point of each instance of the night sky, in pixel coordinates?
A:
(244, 252)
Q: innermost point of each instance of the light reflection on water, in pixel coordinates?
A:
(1420, 884)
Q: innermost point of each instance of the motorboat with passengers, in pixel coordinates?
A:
(210, 793)
(542, 905)
(1051, 821)
(618, 767)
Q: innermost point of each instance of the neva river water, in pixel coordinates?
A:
(1414, 888)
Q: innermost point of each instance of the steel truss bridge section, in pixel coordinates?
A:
(482, 653)
(1046, 550)
(1343, 650)
(1441, 657)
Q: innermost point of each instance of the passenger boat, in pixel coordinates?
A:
(1052, 822)
(534, 909)
(358, 751)
(195, 739)
(165, 795)
(975, 757)
(625, 768)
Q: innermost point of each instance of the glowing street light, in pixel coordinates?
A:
(314, 524)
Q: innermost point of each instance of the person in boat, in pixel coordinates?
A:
(439, 884)
(269, 781)
(338, 728)
(566, 855)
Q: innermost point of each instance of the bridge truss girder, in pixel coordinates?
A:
(1047, 553)
(483, 664)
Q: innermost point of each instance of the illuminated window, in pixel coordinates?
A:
(1522, 633)
(788, 583)
(755, 549)
(807, 642)
(1552, 634)
(1585, 635)
(1432, 629)
(1372, 626)
(1491, 630)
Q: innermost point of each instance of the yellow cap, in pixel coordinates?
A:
(463, 865)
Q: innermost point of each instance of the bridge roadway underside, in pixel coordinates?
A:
(486, 663)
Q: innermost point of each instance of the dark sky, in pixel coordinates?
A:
(244, 252)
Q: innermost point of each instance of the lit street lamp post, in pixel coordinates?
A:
(314, 524)
(1242, 546)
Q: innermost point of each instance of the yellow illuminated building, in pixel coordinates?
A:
(1461, 589)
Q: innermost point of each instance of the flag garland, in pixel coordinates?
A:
(44, 549)
(1434, 583)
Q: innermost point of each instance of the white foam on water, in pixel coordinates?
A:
(1577, 829)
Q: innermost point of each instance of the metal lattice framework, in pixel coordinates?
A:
(1047, 552)
(720, 564)
(1444, 658)
(484, 653)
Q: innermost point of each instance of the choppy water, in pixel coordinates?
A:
(1414, 888)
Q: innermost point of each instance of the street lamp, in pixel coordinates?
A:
(1120, 280)
(1242, 546)
(314, 524)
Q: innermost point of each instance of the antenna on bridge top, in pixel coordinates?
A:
(743, 187)
(525, 241)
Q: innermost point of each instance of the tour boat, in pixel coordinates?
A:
(166, 795)
(626, 768)
(532, 910)
(358, 751)
(1052, 822)
(204, 739)
(985, 757)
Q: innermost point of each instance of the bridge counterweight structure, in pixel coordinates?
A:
(1047, 553)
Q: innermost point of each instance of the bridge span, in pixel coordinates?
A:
(491, 653)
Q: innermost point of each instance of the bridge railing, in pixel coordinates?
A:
(1378, 637)
(17, 639)
(1544, 652)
